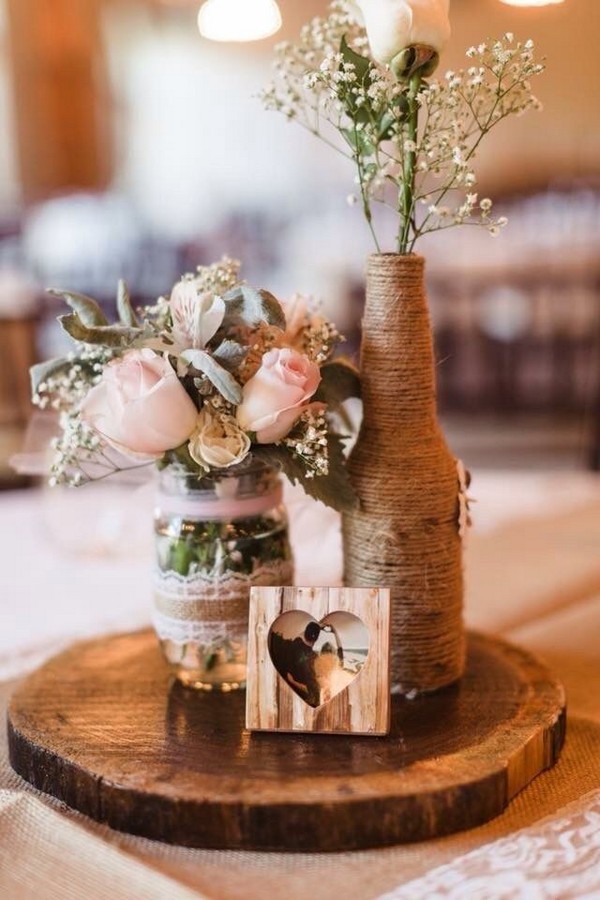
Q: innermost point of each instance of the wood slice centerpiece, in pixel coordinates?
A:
(102, 728)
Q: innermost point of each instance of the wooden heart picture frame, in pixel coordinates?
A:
(318, 660)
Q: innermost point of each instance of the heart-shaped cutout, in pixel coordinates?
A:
(317, 660)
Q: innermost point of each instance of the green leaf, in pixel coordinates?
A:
(230, 354)
(358, 141)
(333, 489)
(181, 456)
(339, 381)
(224, 382)
(385, 126)
(124, 307)
(41, 371)
(87, 309)
(248, 306)
(106, 335)
(362, 65)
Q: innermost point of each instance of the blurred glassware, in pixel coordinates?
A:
(107, 518)
(101, 519)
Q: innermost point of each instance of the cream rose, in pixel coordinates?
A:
(139, 406)
(276, 396)
(196, 314)
(394, 25)
(217, 441)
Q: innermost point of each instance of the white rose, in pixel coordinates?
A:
(394, 25)
(217, 441)
(196, 314)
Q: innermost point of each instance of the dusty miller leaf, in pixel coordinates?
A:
(105, 335)
(224, 382)
(124, 307)
(230, 354)
(87, 310)
(246, 305)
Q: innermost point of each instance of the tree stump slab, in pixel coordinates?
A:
(103, 728)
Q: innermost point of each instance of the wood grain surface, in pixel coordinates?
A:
(102, 728)
(361, 708)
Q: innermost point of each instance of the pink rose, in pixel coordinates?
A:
(277, 395)
(140, 406)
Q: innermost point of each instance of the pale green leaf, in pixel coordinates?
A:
(124, 307)
(230, 354)
(88, 310)
(105, 335)
(224, 382)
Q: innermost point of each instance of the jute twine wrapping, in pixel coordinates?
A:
(405, 535)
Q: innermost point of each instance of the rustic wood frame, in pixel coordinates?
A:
(361, 708)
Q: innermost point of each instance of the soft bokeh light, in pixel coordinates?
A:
(238, 20)
(532, 2)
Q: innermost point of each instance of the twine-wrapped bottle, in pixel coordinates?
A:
(405, 535)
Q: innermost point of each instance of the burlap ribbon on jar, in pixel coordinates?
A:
(207, 607)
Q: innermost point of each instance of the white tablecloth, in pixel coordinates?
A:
(79, 564)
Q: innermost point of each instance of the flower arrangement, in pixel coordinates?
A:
(211, 377)
(364, 72)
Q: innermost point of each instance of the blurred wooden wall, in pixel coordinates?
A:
(61, 97)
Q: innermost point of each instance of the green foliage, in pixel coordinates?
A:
(383, 118)
(87, 310)
(333, 489)
(180, 456)
(247, 306)
(340, 380)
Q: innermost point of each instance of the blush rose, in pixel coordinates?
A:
(275, 397)
(139, 405)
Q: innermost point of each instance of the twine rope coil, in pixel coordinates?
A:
(405, 535)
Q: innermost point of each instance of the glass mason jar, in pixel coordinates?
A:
(215, 539)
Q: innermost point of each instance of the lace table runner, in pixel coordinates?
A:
(558, 858)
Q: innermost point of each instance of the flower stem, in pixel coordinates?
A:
(407, 191)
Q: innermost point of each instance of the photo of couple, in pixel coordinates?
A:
(318, 659)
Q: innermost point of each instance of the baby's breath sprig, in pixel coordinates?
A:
(319, 339)
(308, 443)
(219, 277)
(413, 142)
